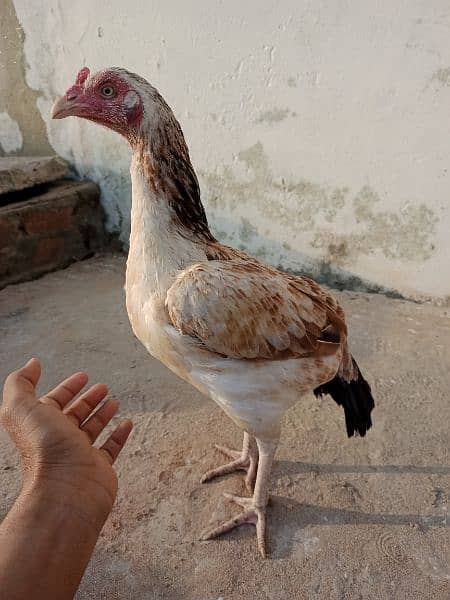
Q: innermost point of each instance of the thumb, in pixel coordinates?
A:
(21, 384)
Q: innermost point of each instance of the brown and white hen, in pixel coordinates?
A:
(252, 338)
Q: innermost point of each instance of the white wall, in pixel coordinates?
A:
(320, 130)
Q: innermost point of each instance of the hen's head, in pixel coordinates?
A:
(114, 98)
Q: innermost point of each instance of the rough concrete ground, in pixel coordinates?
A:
(350, 519)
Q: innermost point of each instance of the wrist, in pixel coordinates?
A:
(75, 498)
(46, 541)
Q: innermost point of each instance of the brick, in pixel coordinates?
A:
(50, 231)
(48, 251)
(48, 220)
(8, 231)
(7, 256)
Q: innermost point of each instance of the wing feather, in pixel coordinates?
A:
(249, 310)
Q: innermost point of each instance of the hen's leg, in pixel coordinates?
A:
(246, 460)
(254, 508)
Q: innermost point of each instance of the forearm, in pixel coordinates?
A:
(46, 541)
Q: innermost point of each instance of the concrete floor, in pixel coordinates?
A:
(354, 519)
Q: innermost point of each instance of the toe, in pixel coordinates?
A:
(235, 454)
(253, 516)
(235, 465)
(227, 526)
(250, 482)
(246, 503)
(261, 532)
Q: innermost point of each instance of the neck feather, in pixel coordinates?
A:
(163, 159)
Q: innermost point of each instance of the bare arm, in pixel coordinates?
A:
(69, 486)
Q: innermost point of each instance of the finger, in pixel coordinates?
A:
(21, 384)
(100, 419)
(66, 391)
(82, 407)
(116, 441)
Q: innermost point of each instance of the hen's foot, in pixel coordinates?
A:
(254, 508)
(251, 514)
(247, 460)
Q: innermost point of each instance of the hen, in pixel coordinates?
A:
(253, 339)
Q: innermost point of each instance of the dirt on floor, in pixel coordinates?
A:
(349, 519)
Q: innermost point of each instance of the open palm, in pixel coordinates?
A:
(55, 433)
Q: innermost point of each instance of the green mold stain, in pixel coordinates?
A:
(442, 75)
(303, 206)
(405, 235)
(247, 231)
(297, 204)
(274, 115)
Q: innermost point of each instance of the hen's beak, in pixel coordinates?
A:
(65, 108)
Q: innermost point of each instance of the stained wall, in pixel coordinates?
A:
(320, 130)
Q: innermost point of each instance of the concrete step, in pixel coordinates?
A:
(22, 172)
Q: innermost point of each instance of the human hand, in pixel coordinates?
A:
(54, 436)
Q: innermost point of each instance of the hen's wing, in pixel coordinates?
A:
(248, 310)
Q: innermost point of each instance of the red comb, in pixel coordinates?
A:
(83, 74)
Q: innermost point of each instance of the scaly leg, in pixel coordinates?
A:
(247, 460)
(254, 508)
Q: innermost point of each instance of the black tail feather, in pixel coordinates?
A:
(356, 399)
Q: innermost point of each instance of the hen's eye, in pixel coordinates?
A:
(107, 91)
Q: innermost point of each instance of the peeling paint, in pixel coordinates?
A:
(17, 99)
(10, 135)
